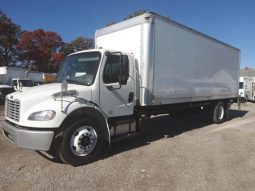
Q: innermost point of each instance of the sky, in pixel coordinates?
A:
(230, 21)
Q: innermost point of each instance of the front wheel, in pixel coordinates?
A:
(81, 142)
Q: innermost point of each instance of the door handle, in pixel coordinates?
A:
(130, 97)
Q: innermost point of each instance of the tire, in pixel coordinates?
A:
(81, 142)
(219, 113)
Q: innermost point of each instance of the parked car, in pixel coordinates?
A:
(4, 91)
(21, 84)
(37, 83)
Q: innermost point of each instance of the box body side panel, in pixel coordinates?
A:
(189, 67)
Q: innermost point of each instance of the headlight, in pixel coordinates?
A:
(42, 115)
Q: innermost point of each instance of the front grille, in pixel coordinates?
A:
(12, 109)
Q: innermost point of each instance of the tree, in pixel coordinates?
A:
(40, 49)
(9, 37)
(135, 14)
(80, 43)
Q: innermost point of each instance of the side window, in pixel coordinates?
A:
(112, 69)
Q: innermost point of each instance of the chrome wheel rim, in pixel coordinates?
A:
(83, 141)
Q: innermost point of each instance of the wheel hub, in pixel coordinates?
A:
(83, 141)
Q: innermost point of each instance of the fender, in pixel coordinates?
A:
(92, 112)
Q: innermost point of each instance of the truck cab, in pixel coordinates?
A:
(72, 115)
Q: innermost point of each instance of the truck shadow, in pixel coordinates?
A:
(156, 128)
(163, 127)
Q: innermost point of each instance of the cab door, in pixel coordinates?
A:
(117, 85)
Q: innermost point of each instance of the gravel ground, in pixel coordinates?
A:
(170, 154)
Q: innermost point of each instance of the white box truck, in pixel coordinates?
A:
(40, 77)
(144, 66)
(7, 73)
(247, 88)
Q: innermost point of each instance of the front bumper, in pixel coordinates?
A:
(29, 139)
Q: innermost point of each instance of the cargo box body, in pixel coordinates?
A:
(176, 64)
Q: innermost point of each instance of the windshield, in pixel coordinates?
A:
(80, 68)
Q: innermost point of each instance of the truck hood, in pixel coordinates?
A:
(45, 92)
(40, 98)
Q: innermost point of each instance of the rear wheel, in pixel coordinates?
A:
(219, 113)
(81, 142)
